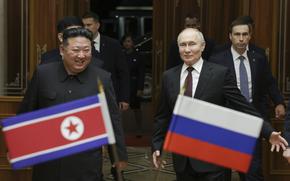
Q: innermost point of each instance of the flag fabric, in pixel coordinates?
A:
(58, 131)
(212, 133)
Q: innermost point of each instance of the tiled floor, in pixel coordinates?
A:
(140, 167)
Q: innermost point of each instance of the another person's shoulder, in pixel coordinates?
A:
(172, 70)
(215, 67)
(50, 56)
(98, 71)
(221, 47)
(48, 67)
(255, 49)
(215, 58)
(110, 40)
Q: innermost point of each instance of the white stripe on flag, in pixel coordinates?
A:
(218, 116)
(48, 118)
(54, 149)
(107, 118)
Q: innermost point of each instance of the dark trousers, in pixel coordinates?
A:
(189, 174)
(255, 172)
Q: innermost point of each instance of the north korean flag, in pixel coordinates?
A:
(58, 131)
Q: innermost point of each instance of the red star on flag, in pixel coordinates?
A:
(72, 128)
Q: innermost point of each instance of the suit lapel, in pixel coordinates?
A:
(204, 78)
(102, 45)
(176, 80)
(252, 61)
(230, 63)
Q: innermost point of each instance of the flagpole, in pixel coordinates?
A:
(115, 156)
(112, 145)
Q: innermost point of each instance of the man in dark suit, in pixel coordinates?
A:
(273, 91)
(174, 57)
(259, 81)
(63, 24)
(209, 82)
(286, 153)
(110, 52)
(137, 75)
(64, 81)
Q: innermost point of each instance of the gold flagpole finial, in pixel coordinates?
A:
(100, 86)
(183, 88)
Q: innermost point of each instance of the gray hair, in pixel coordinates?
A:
(194, 30)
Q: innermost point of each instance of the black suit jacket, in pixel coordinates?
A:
(216, 85)
(174, 57)
(115, 63)
(264, 84)
(45, 91)
(50, 56)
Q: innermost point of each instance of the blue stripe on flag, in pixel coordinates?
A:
(59, 154)
(50, 110)
(212, 134)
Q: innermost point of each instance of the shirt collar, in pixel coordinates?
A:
(97, 39)
(63, 75)
(236, 55)
(197, 66)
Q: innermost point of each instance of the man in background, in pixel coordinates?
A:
(174, 57)
(63, 24)
(254, 78)
(110, 52)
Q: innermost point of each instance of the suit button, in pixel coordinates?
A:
(69, 91)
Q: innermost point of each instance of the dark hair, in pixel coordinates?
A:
(76, 32)
(68, 21)
(127, 35)
(246, 19)
(91, 15)
(240, 21)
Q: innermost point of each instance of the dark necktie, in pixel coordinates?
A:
(94, 51)
(188, 82)
(244, 81)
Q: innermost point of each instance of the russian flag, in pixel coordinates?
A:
(212, 133)
(58, 131)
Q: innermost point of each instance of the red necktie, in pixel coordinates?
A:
(188, 82)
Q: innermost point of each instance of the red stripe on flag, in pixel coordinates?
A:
(207, 152)
(47, 134)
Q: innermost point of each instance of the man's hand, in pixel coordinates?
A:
(123, 106)
(121, 165)
(157, 162)
(286, 154)
(277, 141)
(280, 111)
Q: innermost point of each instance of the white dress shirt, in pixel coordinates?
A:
(195, 75)
(237, 61)
(97, 42)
